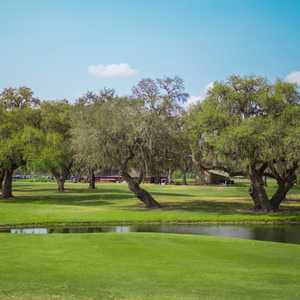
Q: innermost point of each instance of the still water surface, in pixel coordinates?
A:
(275, 233)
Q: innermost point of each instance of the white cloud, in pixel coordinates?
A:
(113, 70)
(293, 77)
(195, 99)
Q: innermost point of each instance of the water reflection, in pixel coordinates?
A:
(29, 230)
(275, 233)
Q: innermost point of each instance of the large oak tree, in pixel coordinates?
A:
(256, 125)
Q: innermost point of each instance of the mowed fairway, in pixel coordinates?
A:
(146, 266)
(38, 203)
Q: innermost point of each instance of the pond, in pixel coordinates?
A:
(275, 233)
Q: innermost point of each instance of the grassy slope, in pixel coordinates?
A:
(146, 266)
(40, 203)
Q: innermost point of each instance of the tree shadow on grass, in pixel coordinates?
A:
(202, 206)
(209, 206)
(217, 195)
(223, 207)
(80, 197)
(170, 194)
(215, 207)
(103, 195)
(75, 190)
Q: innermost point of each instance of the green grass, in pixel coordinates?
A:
(142, 266)
(146, 266)
(38, 203)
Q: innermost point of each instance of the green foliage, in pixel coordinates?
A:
(18, 127)
(244, 121)
(143, 133)
(55, 153)
(248, 119)
(17, 98)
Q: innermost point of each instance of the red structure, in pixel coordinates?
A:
(109, 179)
(118, 178)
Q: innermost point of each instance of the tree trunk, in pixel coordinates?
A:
(60, 184)
(280, 194)
(184, 177)
(258, 191)
(1, 178)
(140, 193)
(170, 175)
(254, 195)
(7, 184)
(92, 179)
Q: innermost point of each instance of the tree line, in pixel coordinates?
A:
(245, 126)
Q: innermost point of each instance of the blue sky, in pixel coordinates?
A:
(63, 48)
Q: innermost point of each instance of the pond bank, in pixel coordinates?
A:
(128, 223)
(263, 232)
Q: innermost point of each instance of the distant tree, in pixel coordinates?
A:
(56, 154)
(163, 95)
(163, 99)
(18, 121)
(90, 97)
(183, 154)
(83, 158)
(83, 139)
(18, 98)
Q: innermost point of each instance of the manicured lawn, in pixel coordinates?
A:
(142, 265)
(40, 203)
(146, 266)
